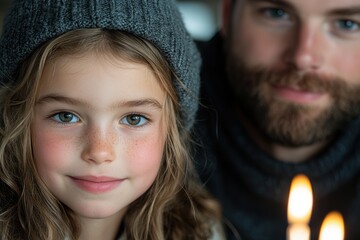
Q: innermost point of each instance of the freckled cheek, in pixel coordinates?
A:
(51, 150)
(145, 156)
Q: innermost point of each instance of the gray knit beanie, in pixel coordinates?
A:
(30, 23)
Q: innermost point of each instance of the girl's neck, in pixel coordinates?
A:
(105, 228)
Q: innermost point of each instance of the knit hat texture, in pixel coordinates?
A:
(30, 23)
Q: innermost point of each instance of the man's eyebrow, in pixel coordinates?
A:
(346, 11)
(351, 10)
(78, 102)
(276, 2)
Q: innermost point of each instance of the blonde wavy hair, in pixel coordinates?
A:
(175, 206)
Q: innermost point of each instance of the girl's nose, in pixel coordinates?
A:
(99, 147)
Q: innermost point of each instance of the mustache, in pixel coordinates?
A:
(311, 82)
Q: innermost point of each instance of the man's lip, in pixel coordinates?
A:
(295, 94)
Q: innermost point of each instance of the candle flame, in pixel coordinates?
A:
(332, 227)
(300, 200)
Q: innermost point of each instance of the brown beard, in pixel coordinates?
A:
(288, 123)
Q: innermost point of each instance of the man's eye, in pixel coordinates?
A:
(277, 13)
(65, 117)
(134, 120)
(346, 24)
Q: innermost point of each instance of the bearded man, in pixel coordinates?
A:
(281, 96)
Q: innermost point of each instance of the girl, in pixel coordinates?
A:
(97, 101)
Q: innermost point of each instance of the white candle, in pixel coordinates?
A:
(298, 231)
(299, 208)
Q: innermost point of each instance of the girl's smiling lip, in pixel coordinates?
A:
(96, 184)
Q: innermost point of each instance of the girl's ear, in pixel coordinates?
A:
(226, 16)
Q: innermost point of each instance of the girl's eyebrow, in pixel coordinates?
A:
(78, 102)
(139, 102)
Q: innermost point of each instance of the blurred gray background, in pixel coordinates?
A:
(201, 17)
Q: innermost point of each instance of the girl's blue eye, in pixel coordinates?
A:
(347, 24)
(65, 117)
(277, 13)
(134, 120)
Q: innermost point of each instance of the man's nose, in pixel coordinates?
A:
(307, 49)
(99, 145)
